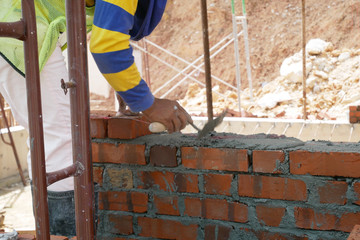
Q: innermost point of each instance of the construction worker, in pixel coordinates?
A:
(115, 23)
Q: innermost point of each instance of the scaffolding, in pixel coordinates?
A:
(25, 30)
(198, 65)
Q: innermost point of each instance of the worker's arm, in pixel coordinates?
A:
(112, 52)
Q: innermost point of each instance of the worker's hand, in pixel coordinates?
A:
(169, 113)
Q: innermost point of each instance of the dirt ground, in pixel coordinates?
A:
(16, 206)
(275, 33)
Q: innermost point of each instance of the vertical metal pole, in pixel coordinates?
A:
(146, 63)
(35, 122)
(207, 59)
(237, 55)
(80, 112)
(304, 57)
(247, 52)
(12, 143)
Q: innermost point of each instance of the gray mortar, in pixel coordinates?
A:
(229, 140)
(326, 146)
(215, 140)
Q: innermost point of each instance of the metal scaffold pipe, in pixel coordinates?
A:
(80, 118)
(247, 51)
(36, 132)
(207, 59)
(237, 60)
(304, 57)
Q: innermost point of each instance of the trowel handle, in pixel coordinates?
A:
(157, 127)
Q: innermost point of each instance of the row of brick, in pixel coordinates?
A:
(300, 162)
(224, 210)
(102, 126)
(161, 228)
(32, 236)
(242, 185)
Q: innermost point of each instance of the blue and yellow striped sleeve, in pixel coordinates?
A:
(110, 47)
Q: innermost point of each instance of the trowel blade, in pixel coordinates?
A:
(210, 125)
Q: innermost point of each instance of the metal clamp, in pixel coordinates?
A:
(66, 85)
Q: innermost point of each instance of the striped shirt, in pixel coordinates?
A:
(113, 27)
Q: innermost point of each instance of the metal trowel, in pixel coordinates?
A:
(156, 127)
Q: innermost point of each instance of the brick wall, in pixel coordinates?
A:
(223, 187)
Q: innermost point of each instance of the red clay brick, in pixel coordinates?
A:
(166, 229)
(116, 238)
(268, 161)
(355, 233)
(225, 159)
(352, 108)
(98, 127)
(52, 237)
(127, 127)
(272, 188)
(120, 177)
(122, 153)
(353, 119)
(348, 221)
(333, 192)
(218, 209)
(218, 184)
(343, 164)
(228, 211)
(98, 175)
(26, 236)
(310, 219)
(120, 224)
(169, 181)
(215, 232)
(357, 192)
(166, 205)
(270, 216)
(266, 235)
(163, 156)
(193, 207)
(123, 201)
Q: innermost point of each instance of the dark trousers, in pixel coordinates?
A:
(62, 212)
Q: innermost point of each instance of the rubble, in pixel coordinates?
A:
(332, 84)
